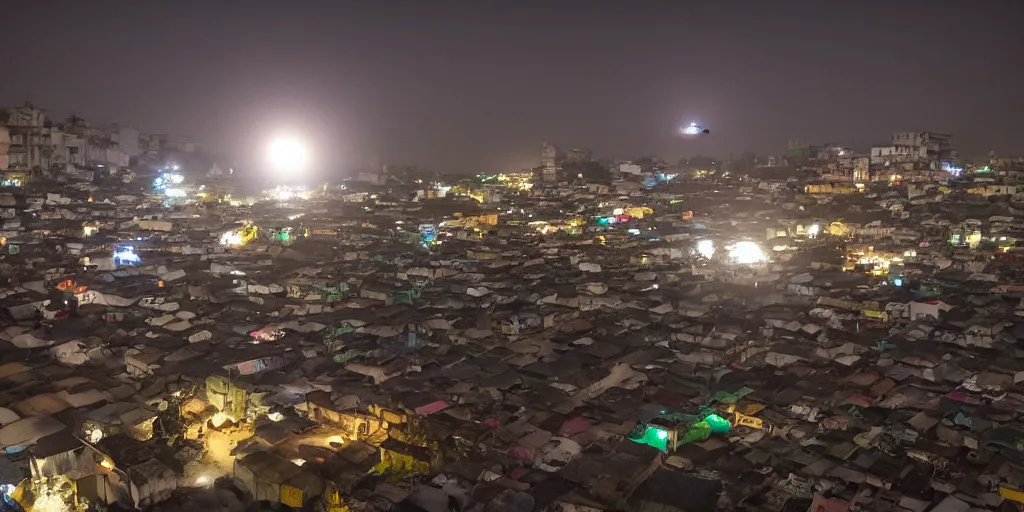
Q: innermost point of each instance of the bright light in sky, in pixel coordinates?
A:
(706, 248)
(693, 129)
(746, 253)
(287, 154)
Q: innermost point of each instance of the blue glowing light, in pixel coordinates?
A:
(953, 170)
(165, 180)
(428, 232)
(898, 282)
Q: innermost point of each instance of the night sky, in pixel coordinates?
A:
(475, 86)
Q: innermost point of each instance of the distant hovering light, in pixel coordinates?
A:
(693, 129)
(706, 248)
(287, 155)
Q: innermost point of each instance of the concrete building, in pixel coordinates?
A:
(36, 143)
(926, 149)
(578, 155)
(26, 128)
(550, 157)
(25, 116)
(99, 147)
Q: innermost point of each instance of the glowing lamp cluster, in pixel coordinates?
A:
(282, 193)
(126, 256)
(706, 249)
(746, 253)
(231, 239)
(167, 183)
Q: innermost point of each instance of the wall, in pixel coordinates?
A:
(908, 139)
(631, 169)
(127, 139)
(5, 144)
(880, 154)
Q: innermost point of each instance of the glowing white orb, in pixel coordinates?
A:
(287, 155)
(706, 248)
(746, 253)
(813, 230)
(692, 129)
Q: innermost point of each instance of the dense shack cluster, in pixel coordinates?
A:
(653, 338)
